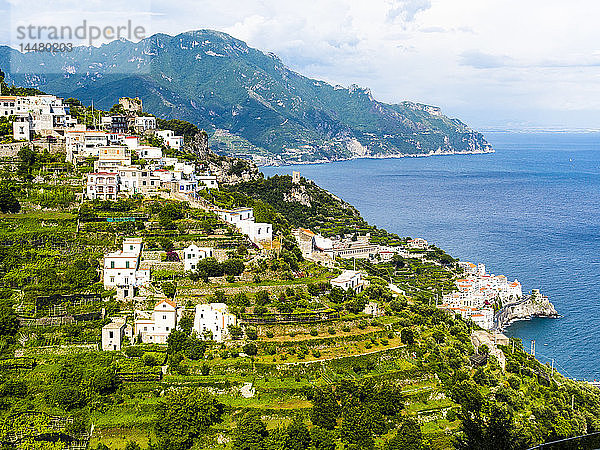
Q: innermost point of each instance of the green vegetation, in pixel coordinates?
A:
(305, 367)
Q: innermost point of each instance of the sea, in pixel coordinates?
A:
(530, 211)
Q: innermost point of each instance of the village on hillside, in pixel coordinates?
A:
(168, 265)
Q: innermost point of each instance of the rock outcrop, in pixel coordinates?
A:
(480, 337)
(534, 305)
(198, 145)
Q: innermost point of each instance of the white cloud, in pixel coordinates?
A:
(488, 62)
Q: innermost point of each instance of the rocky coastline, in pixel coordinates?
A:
(534, 305)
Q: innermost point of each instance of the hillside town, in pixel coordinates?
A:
(183, 267)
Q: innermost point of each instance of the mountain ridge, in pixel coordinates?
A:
(221, 84)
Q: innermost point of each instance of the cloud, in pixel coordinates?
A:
(407, 9)
(478, 60)
(481, 60)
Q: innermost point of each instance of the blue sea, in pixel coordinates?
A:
(530, 211)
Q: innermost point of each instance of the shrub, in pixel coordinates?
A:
(250, 349)
(316, 353)
(204, 369)
(314, 332)
(251, 333)
(384, 341)
(149, 360)
(362, 324)
(269, 334)
(331, 330)
(346, 329)
(133, 352)
(292, 334)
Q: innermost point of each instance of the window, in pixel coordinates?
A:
(164, 317)
(167, 328)
(112, 264)
(127, 264)
(110, 334)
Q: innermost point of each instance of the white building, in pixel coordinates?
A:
(102, 185)
(84, 143)
(208, 181)
(243, 219)
(234, 216)
(113, 334)
(192, 254)
(256, 231)
(373, 309)
(170, 140)
(144, 123)
(155, 326)
(43, 113)
(349, 279)
(213, 317)
(112, 158)
(132, 142)
(148, 152)
(419, 243)
(122, 268)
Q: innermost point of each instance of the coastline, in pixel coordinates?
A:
(385, 156)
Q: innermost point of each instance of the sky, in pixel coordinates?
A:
(495, 64)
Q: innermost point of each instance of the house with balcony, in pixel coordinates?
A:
(122, 269)
(102, 185)
(156, 325)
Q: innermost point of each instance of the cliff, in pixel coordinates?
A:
(534, 305)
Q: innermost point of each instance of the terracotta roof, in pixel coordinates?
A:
(168, 301)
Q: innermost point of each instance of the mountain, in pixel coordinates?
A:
(247, 100)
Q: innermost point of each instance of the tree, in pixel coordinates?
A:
(407, 336)
(325, 409)
(210, 266)
(176, 341)
(132, 446)
(250, 349)
(186, 323)
(8, 201)
(250, 432)
(169, 289)
(26, 161)
(493, 430)
(170, 212)
(297, 436)
(233, 266)
(467, 394)
(408, 437)
(185, 415)
(251, 333)
(235, 331)
(104, 381)
(9, 324)
(322, 439)
(355, 429)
